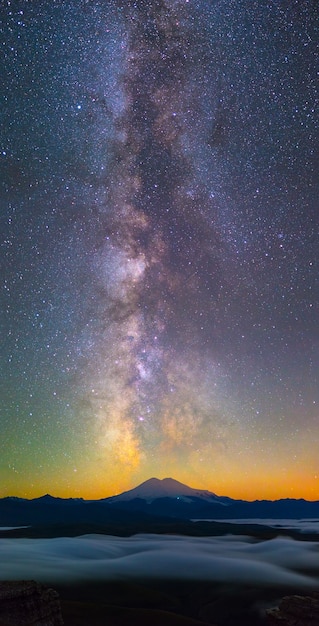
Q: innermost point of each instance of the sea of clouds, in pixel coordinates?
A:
(304, 525)
(278, 562)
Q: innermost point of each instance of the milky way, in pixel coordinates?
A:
(159, 266)
(160, 246)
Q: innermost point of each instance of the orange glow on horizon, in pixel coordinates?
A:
(260, 487)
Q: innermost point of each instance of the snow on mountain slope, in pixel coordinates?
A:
(166, 488)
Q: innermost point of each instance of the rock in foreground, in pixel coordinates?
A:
(295, 611)
(28, 603)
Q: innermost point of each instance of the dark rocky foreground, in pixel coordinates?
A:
(166, 602)
(295, 611)
(28, 603)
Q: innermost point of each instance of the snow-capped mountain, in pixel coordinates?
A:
(155, 488)
(152, 501)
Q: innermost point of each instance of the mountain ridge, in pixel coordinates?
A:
(154, 498)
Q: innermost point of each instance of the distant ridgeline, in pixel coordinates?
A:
(154, 501)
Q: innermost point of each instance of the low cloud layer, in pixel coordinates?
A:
(279, 562)
(304, 525)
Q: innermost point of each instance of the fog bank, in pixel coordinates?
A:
(280, 561)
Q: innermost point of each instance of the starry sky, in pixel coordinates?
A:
(159, 246)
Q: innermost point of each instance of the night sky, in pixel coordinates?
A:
(159, 246)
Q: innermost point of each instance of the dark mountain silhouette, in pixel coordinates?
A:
(152, 500)
(155, 488)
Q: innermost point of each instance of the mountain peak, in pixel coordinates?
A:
(160, 483)
(154, 488)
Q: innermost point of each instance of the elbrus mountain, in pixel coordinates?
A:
(152, 501)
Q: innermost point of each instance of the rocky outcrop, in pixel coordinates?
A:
(295, 611)
(28, 603)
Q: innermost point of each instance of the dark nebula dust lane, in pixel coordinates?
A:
(160, 246)
(160, 217)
